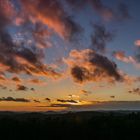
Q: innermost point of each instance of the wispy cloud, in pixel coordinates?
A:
(100, 37)
(119, 12)
(135, 91)
(9, 99)
(120, 55)
(16, 79)
(52, 14)
(22, 87)
(66, 101)
(137, 43)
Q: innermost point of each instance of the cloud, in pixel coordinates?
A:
(85, 92)
(71, 96)
(87, 65)
(32, 89)
(10, 9)
(36, 101)
(37, 21)
(20, 57)
(66, 101)
(21, 87)
(137, 43)
(112, 96)
(77, 4)
(135, 91)
(14, 99)
(137, 55)
(120, 12)
(16, 79)
(42, 36)
(48, 99)
(100, 37)
(3, 87)
(70, 104)
(106, 12)
(123, 12)
(120, 55)
(37, 81)
(96, 106)
(58, 105)
(2, 78)
(52, 14)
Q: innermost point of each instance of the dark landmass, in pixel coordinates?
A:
(102, 125)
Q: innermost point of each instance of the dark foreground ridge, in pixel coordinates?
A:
(71, 125)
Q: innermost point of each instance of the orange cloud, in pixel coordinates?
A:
(87, 65)
(52, 14)
(137, 43)
(37, 81)
(16, 79)
(8, 8)
(120, 55)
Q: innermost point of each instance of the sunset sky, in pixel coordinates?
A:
(62, 54)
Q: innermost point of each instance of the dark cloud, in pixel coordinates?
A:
(36, 101)
(96, 106)
(32, 89)
(57, 105)
(29, 55)
(112, 96)
(22, 87)
(120, 12)
(138, 57)
(48, 99)
(45, 16)
(41, 34)
(103, 10)
(123, 11)
(16, 79)
(137, 54)
(21, 57)
(135, 91)
(6, 45)
(14, 99)
(52, 14)
(2, 78)
(60, 105)
(97, 5)
(3, 87)
(66, 101)
(87, 65)
(37, 81)
(77, 4)
(80, 73)
(100, 37)
(105, 64)
(86, 92)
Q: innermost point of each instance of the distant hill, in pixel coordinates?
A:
(110, 125)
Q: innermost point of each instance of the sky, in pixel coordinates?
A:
(69, 54)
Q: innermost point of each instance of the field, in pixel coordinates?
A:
(71, 125)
